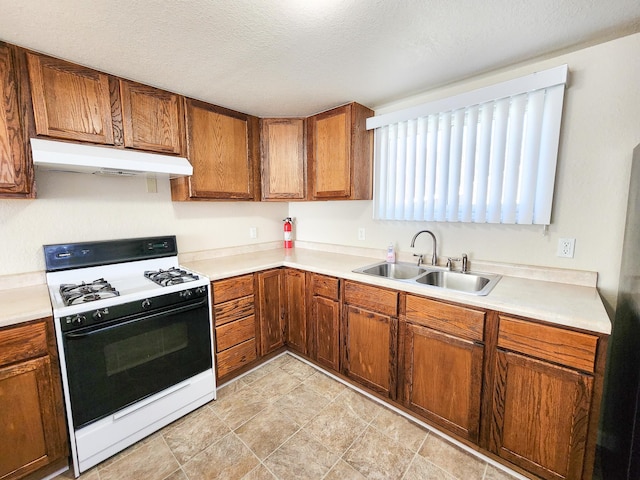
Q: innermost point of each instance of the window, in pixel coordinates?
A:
(486, 156)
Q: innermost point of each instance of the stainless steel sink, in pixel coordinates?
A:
(398, 271)
(474, 283)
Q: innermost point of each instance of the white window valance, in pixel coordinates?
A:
(483, 156)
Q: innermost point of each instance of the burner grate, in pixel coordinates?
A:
(75, 294)
(172, 276)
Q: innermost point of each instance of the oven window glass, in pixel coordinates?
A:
(110, 367)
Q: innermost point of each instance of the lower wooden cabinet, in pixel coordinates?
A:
(32, 431)
(370, 336)
(235, 324)
(296, 310)
(324, 322)
(271, 295)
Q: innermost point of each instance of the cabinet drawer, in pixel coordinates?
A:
(573, 349)
(234, 333)
(372, 298)
(233, 310)
(455, 320)
(225, 290)
(325, 286)
(236, 357)
(22, 342)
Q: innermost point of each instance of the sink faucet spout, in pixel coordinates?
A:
(434, 257)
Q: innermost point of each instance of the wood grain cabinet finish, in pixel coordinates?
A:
(70, 101)
(271, 294)
(441, 364)
(223, 148)
(324, 322)
(340, 154)
(32, 431)
(542, 399)
(370, 336)
(16, 172)
(283, 163)
(153, 119)
(235, 324)
(296, 310)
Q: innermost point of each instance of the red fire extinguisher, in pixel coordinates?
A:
(288, 242)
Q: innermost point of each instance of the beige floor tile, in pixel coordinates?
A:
(376, 456)
(301, 457)
(258, 373)
(226, 459)
(494, 473)
(301, 403)
(91, 474)
(452, 459)
(400, 429)
(336, 427)
(194, 433)
(421, 469)
(229, 389)
(237, 408)
(325, 385)
(298, 369)
(359, 404)
(275, 384)
(259, 473)
(343, 471)
(152, 461)
(177, 475)
(267, 431)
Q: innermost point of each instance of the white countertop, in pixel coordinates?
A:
(560, 303)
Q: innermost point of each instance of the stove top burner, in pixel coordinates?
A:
(74, 294)
(172, 276)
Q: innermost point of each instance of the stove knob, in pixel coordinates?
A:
(98, 315)
(146, 303)
(78, 320)
(186, 293)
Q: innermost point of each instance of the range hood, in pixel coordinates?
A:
(81, 158)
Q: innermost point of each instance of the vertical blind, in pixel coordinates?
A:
(487, 156)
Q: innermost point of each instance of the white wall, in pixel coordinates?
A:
(601, 126)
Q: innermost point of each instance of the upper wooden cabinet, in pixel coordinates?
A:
(16, 172)
(340, 154)
(282, 146)
(152, 119)
(223, 148)
(70, 101)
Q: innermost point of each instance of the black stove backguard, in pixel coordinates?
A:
(66, 256)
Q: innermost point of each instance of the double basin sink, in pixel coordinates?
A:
(468, 282)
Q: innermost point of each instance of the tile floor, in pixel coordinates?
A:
(287, 420)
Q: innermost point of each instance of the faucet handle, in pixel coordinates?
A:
(420, 258)
(465, 263)
(450, 261)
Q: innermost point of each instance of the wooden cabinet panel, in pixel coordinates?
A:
(573, 349)
(284, 175)
(223, 149)
(232, 310)
(296, 310)
(70, 101)
(372, 298)
(233, 333)
(453, 319)
(443, 379)
(153, 119)
(236, 287)
(22, 342)
(324, 286)
(340, 153)
(371, 346)
(540, 415)
(235, 357)
(271, 296)
(16, 172)
(326, 321)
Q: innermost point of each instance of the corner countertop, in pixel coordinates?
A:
(564, 304)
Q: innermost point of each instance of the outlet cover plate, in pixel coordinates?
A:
(566, 247)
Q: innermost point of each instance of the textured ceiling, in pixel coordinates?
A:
(299, 57)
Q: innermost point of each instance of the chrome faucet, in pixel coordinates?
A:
(434, 257)
(464, 268)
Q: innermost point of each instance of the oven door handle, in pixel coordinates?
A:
(87, 331)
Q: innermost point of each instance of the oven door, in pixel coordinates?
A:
(110, 366)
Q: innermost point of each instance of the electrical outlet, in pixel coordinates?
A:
(361, 234)
(253, 232)
(566, 247)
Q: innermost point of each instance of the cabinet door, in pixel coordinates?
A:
(296, 310)
(370, 349)
(70, 101)
(443, 379)
(152, 119)
(271, 295)
(340, 154)
(30, 437)
(223, 149)
(326, 328)
(540, 415)
(16, 173)
(283, 162)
